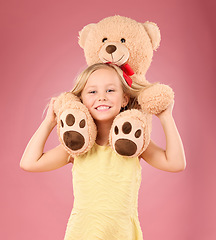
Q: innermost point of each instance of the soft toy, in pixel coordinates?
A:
(130, 45)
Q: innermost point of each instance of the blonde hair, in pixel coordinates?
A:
(132, 91)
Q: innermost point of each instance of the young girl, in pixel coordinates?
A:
(105, 184)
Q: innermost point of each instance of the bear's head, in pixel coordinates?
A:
(120, 40)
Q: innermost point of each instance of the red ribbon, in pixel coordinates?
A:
(127, 71)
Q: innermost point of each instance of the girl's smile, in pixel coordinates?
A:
(102, 108)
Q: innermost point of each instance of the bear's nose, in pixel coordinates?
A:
(110, 49)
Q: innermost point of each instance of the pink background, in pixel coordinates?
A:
(40, 57)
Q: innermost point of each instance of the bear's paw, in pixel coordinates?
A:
(156, 98)
(130, 133)
(76, 129)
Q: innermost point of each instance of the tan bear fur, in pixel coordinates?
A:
(141, 39)
(134, 43)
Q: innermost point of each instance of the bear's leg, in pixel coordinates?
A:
(130, 133)
(75, 127)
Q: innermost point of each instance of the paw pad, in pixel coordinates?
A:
(73, 140)
(126, 128)
(70, 120)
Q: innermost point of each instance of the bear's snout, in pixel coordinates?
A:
(114, 52)
(111, 49)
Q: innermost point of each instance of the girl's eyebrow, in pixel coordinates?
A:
(107, 85)
(111, 85)
(91, 86)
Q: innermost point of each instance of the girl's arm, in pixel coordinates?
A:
(173, 158)
(33, 159)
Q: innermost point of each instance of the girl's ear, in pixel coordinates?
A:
(125, 101)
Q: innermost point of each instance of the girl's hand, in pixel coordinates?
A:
(51, 116)
(167, 112)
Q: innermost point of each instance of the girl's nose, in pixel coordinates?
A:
(102, 97)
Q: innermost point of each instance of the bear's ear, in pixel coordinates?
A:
(84, 33)
(154, 33)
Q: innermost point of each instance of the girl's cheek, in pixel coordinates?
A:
(89, 101)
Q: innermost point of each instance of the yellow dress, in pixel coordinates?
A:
(106, 187)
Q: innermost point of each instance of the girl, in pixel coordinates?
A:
(105, 184)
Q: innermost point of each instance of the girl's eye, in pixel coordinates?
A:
(92, 91)
(110, 90)
(123, 40)
(104, 39)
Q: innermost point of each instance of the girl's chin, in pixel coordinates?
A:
(104, 120)
(104, 115)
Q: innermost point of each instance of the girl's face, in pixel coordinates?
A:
(103, 95)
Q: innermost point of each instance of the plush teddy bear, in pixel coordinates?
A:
(129, 44)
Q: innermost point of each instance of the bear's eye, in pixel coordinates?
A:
(104, 39)
(123, 40)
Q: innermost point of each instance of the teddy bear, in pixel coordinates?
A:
(130, 45)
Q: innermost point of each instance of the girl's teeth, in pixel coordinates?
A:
(102, 108)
